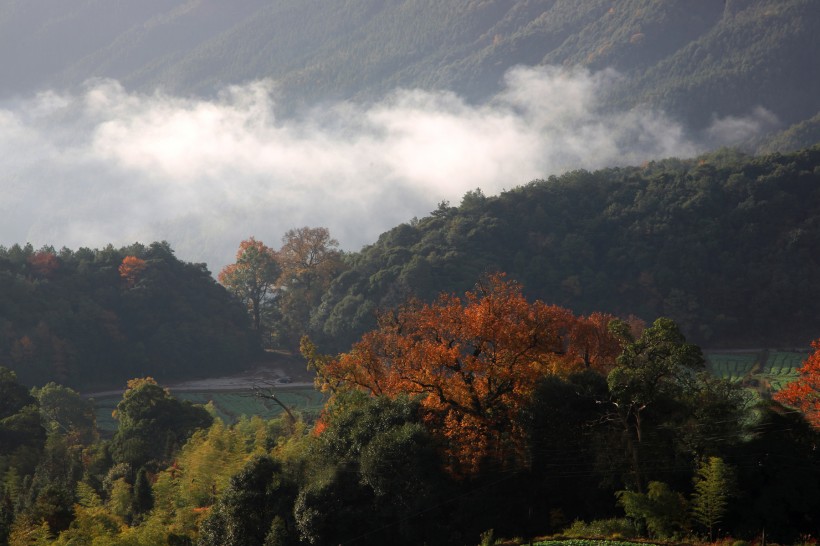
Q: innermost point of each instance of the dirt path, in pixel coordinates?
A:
(265, 375)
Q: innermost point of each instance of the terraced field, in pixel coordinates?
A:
(765, 371)
(734, 367)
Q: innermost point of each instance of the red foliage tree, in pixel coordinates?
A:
(592, 345)
(804, 393)
(44, 264)
(476, 361)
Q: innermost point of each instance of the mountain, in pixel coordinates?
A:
(626, 240)
(724, 244)
(697, 60)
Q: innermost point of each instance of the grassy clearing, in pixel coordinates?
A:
(229, 406)
(104, 407)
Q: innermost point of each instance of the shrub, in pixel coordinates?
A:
(487, 538)
(612, 528)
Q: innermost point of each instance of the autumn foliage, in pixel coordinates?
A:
(131, 268)
(591, 344)
(476, 361)
(308, 256)
(804, 394)
(44, 264)
(253, 277)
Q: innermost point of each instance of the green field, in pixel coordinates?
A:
(229, 406)
(765, 371)
(734, 367)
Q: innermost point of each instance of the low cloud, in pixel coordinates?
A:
(739, 128)
(106, 165)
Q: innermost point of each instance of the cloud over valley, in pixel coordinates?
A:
(108, 165)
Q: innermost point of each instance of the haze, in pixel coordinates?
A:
(106, 165)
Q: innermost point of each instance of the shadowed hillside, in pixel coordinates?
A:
(698, 61)
(724, 244)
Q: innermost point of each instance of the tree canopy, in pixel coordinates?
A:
(95, 318)
(804, 394)
(152, 424)
(253, 277)
(692, 240)
(476, 362)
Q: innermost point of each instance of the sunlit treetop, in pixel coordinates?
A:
(131, 270)
(252, 278)
(476, 361)
(804, 393)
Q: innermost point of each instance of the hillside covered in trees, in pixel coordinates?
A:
(724, 244)
(95, 318)
(454, 422)
(518, 364)
(696, 61)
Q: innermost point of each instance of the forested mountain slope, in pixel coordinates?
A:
(725, 244)
(96, 318)
(696, 60)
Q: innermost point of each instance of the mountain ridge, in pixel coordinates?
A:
(694, 60)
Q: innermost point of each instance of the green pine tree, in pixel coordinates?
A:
(713, 487)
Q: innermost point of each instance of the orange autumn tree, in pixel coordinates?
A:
(130, 270)
(592, 344)
(252, 278)
(475, 361)
(804, 393)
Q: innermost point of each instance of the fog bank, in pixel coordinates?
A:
(106, 165)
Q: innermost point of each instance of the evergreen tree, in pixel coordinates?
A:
(713, 486)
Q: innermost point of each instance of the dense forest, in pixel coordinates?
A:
(466, 403)
(724, 244)
(452, 422)
(505, 368)
(694, 240)
(95, 318)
